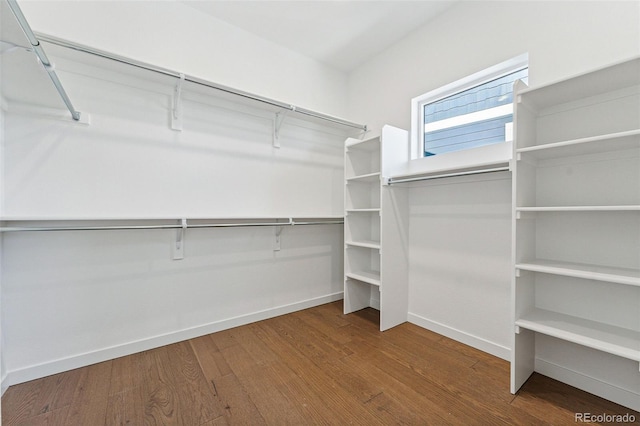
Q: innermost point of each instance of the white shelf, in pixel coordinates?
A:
(607, 338)
(177, 217)
(579, 208)
(364, 200)
(369, 145)
(364, 243)
(578, 270)
(369, 277)
(607, 79)
(368, 178)
(591, 145)
(362, 210)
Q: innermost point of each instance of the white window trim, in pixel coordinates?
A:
(417, 103)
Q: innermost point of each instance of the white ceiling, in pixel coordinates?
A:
(342, 34)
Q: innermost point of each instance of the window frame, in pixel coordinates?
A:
(417, 104)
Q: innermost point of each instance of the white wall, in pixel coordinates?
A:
(178, 37)
(563, 38)
(460, 229)
(128, 163)
(74, 298)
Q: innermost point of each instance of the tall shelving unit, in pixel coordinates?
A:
(373, 219)
(576, 230)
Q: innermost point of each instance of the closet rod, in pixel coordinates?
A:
(393, 181)
(42, 56)
(291, 222)
(196, 80)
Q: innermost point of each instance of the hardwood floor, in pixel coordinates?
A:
(315, 366)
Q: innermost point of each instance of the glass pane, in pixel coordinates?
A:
(467, 136)
(488, 95)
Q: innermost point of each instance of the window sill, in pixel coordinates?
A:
(469, 160)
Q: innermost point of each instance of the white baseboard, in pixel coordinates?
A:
(589, 384)
(4, 385)
(81, 360)
(461, 336)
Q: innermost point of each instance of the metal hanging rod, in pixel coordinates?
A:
(42, 56)
(393, 181)
(196, 80)
(289, 222)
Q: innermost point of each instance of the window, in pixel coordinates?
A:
(469, 113)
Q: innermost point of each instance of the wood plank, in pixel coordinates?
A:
(51, 417)
(372, 387)
(196, 395)
(262, 382)
(316, 386)
(18, 401)
(126, 408)
(90, 399)
(56, 391)
(231, 395)
(126, 374)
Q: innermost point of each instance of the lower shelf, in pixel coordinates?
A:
(365, 276)
(607, 338)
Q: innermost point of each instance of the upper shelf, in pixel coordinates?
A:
(591, 145)
(103, 60)
(608, 79)
(25, 81)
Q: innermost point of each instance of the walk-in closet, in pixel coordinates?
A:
(319, 212)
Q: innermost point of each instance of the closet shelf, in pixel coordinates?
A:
(364, 243)
(578, 270)
(607, 79)
(481, 168)
(107, 60)
(362, 210)
(102, 224)
(604, 337)
(367, 178)
(592, 145)
(368, 145)
(369, 277)
(621, 208)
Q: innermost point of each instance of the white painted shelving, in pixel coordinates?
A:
(576, 227)
(371, 279)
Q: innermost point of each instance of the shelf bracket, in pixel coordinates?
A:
(176, 110)
(364, 132)
(277, 124)
(278, 232)
(276, 244)
(178, 248)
